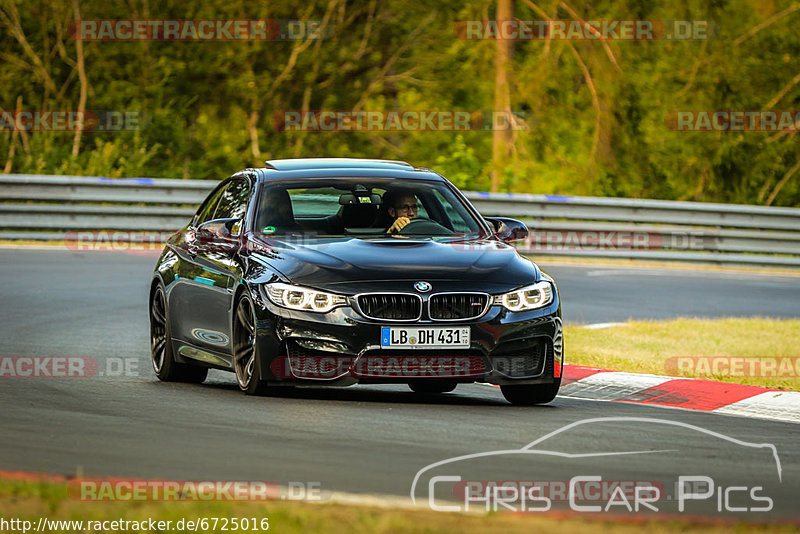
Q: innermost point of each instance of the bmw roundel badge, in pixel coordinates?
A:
(422, 287)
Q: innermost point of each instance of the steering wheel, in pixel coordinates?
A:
(424, 226)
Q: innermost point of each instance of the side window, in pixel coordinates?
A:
(456, 214)
(206, 211)
(421, 211)
(233, 202)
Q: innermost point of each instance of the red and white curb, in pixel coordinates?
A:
(689, 393)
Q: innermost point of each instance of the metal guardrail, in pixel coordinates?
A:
(40, 207)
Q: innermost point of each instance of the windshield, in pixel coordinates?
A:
(364, 207)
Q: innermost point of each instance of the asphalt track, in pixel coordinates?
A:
(361, 439)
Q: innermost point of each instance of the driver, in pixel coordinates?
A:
(401, 206)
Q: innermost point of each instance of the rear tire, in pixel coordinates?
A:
(530, 395)
(430, 387)
(246, 360)
(162, 357)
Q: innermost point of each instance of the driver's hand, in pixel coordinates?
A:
(398, 224)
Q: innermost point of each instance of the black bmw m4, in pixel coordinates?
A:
(344, 271)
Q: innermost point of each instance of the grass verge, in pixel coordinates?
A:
(32, 499)
(759, 352)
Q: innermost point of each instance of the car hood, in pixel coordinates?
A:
(351, 264)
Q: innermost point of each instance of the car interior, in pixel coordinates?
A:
(360, 211)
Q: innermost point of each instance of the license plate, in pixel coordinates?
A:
(413, 337)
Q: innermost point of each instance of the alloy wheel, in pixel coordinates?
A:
(158, 329)
(244, 342)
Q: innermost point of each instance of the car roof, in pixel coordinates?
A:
(292, 169)
(334, 163)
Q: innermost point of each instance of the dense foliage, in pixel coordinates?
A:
(597, 111)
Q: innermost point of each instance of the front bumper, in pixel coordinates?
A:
(342, 347)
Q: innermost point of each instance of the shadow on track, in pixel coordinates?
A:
(367, 393)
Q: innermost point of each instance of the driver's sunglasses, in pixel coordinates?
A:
(407, 207)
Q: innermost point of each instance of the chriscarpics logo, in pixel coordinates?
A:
(617, 465)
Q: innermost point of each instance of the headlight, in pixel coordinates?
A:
(527, 298)
(303, 298)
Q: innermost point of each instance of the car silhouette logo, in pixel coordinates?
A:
(422, 287)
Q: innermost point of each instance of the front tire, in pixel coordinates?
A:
(246, 362)
(162, 357)
(530, 395)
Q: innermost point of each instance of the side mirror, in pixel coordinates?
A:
(508, 230)
(218, 233)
